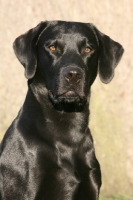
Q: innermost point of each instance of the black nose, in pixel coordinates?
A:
(72, 75)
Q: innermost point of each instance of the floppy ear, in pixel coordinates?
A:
(25, 49)
(110, 53)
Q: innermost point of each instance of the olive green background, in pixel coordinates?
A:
(111, 119)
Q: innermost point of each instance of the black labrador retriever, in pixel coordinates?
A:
(48, 152)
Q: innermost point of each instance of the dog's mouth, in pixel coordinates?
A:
(68, 94)
(68, 97)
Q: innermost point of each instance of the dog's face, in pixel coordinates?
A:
(67, 56)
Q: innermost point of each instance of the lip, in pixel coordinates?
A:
(69, 97)
(67, 94)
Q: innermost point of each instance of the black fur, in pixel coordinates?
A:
(47, 153)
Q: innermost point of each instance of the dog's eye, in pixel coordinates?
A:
(87, 50)
(52, 48)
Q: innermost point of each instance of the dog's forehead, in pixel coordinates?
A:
(71, 30)
(67, 26)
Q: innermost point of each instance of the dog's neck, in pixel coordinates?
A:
(50, 117)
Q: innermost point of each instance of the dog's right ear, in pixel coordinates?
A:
(25, 49)
(110, 53)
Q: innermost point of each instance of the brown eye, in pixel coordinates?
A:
(52, 48)
(87, 50)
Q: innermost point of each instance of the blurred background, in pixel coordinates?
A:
(111, 106)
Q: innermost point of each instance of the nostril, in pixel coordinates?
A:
(78, 77)
(68, 76)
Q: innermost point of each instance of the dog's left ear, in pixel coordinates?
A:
(110, 53)
(25, 49)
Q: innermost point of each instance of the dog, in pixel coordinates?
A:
(48, 153)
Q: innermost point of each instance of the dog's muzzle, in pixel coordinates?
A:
(70, 89)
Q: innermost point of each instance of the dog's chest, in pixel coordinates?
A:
(65, 154)
(71, 158)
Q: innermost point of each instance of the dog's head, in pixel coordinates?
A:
(67, 56)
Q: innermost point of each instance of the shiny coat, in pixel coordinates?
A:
(48, 152)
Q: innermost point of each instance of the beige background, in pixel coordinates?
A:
(111, 105)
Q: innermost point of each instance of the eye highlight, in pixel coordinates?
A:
(87, 49)
(52, 48)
